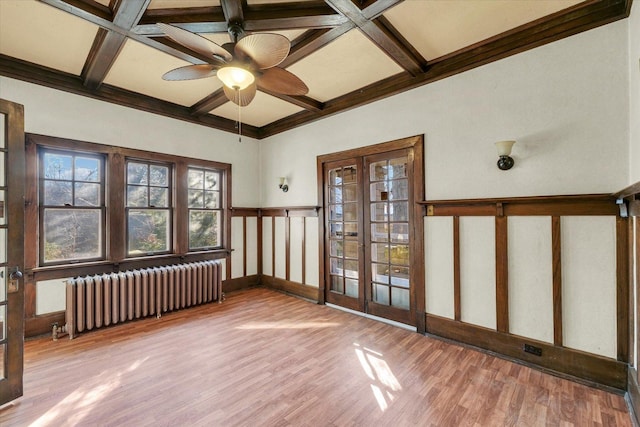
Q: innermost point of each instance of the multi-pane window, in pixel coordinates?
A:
(72, 209)
(148, 208)
(205, 209)
(98, 203)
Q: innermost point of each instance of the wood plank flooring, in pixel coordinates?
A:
(266, 359)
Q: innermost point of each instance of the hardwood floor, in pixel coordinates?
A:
(266, 359)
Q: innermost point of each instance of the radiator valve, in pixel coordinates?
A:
(57, 330)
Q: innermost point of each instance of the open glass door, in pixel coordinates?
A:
(12, 175)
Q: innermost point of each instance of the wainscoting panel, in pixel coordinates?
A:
(439, 265)
(280, 253)
(296, 241)
(50, 296)
(251, 240)
(588, 263)
(267, 246)
(478, 271)
(311, 245)
(530, 277)
(237, 244)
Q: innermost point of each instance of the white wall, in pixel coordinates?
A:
(634, 142)
(57, 113)
(564, 103)
(634, 93)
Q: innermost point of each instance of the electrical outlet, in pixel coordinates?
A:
(536, 351)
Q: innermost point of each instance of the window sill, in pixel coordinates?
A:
(100, 267)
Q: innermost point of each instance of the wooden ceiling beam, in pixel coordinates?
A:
(108, 44)
(313, 40)
(385, 35)
(89, 12)
(374, 8)
(218, 98)
(83, 8)
(194, 19)
(207, 27)
(305, 102)
(233, 10)
(208, 103)
(256, 18)
(295, 15)
(382, 33)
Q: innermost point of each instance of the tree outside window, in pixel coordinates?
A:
(71, 207)
(148, 208)
(205, 209)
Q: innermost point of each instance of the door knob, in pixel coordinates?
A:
(14, 279)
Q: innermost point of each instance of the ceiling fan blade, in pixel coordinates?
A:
(265, 49)
(194, 41)
(282, 81)
(191, 72)
(241, 97)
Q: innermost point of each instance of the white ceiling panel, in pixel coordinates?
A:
(438, 27)
(139, 68)
(263, 110)
(332, 71)
(38, 33)
(252, 2)
(173, 4)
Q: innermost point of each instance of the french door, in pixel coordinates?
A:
(370, 239)
(12, 174)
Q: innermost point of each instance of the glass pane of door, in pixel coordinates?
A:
(343, 230)
(389, 207)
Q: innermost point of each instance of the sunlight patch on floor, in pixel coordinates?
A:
(77, 405)
(287, 325)
(385, 386)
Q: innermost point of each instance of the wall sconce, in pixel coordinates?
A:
(284, 185)
(504, 151)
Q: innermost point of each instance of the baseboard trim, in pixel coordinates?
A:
(236, 284)
(293, 288)
(632, 397)
(41, 325)
(564, 361)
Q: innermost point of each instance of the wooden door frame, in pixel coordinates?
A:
(415, 144)
(15, 137)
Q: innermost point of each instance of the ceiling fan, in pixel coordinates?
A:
(247, 63)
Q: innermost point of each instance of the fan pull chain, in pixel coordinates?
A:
(239, 113)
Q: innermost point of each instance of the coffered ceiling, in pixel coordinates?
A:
(348, 52)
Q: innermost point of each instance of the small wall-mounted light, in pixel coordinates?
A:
(284, 185)
(504, 151)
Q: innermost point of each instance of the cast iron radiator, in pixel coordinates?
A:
(103, 300)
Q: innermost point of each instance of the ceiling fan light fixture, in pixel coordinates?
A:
(236, 77)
